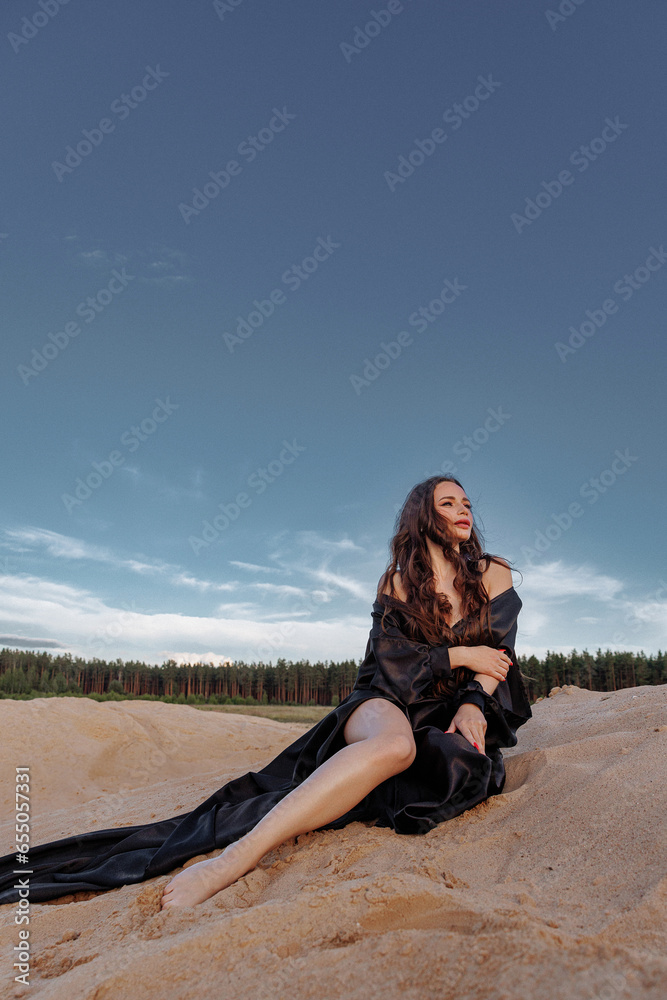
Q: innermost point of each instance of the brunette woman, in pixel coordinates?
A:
(416, 742)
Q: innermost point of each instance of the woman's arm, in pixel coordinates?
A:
(490, 664)
(488, 683)
(503, 703)
(402, 667)
(482, 660)
(405, 669)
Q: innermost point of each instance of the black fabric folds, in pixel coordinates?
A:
(447, 776)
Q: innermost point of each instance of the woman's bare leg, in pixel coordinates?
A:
(379, 743)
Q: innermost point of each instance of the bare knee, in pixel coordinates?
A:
(384, 729)
(397, 750)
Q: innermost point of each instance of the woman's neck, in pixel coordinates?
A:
(443, 571)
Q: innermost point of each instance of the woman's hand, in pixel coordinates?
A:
(470, 722)
(484, 660)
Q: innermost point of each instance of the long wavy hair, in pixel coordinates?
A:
(426, 611)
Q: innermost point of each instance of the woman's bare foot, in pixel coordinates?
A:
(199, 882)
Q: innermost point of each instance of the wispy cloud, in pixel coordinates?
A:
(160, 485)
(554, 595)
(560, 581)
(65, 547)
(156, 264)
(79, 621)
(184, 579)
(310, 553)
(345, 583)
(22, 642)
(564, 606)
(238, 609)
(316, 540)
(279, 589)
(253, 567)
(101, 258)
(163, 265)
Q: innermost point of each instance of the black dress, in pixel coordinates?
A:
(447, 776)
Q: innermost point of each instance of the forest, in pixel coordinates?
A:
(29, 674)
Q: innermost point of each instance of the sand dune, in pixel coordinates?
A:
(556, 888)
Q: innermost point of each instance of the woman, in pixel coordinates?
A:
(416, 742)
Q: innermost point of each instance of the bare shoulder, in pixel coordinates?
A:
(398, 587)
(497, 577)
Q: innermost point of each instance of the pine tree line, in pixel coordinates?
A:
(606, 671)
(25, 673)
(301, 683)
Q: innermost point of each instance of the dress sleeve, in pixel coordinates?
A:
(511, 693)
(404, 668)
(508, 707)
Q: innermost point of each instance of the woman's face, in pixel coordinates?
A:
(452, 505)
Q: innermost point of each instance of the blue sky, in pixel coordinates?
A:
(267, 266)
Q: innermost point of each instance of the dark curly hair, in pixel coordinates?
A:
(426, 611)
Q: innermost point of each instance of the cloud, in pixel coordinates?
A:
(157, 264)
(346, 583)
(185, 579)
(87, 626)
(22, 642)
(65, 547)
(254, 567)
(101, 258)
(315, 540)
(237, 608)
(159, 484)
(59, 546)
(559, 581)
(555, 594)
(564, 606)
(312, 546)
(163, 265)
(257, 612)
(279, 589)
(215, 658)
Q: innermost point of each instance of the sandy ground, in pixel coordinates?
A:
(554, 889)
